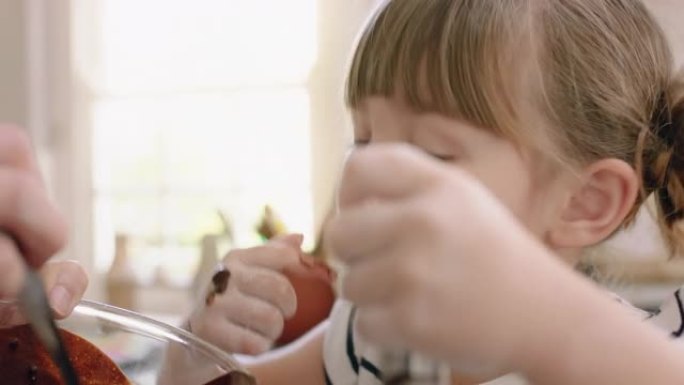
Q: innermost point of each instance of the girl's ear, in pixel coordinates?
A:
(597, 208)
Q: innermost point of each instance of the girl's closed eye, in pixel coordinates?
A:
(360, 143)
(442, 157)
(441, 153)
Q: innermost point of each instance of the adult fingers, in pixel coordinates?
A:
(29, 216)
(16, 150)
(11, 268)
(66, 282)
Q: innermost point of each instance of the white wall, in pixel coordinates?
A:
(339, 24)
(669, 13)
(36, 92)
(13, 64)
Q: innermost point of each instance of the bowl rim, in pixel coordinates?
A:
(141, 324)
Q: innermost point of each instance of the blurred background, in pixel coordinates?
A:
(164, 122)
(165, 127)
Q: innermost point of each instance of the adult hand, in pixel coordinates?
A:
(32, 229)
(65, 282)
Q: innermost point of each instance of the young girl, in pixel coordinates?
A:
(553, 121)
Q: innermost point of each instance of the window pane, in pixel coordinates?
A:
(186, 218)
(138, 216)
(176, 160)
(126, 147)
(169, 44)
(203, 142)
(198, 107)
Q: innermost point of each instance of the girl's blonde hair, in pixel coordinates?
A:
(586, 79)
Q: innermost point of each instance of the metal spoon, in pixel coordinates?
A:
(34, 305)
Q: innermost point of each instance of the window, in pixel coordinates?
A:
(196, 107)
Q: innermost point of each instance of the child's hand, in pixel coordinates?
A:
(435, 262)
(249, 315)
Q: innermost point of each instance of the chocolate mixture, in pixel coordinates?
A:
(24, 361)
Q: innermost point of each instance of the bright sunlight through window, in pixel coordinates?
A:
(198, 108)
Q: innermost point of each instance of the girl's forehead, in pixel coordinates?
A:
(379, 113)
(377, 109)
(397, 102)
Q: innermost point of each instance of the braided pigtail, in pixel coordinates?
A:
(660, 159)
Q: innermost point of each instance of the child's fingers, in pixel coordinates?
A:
(267, 285)
(292, 240)
(252, 313)
(356, 232)
(313, 269)
(384, 171)
(371, 282)
(230, 337)
(274, 256)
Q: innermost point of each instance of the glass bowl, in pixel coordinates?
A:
(151, 352)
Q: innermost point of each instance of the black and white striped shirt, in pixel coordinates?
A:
(349, 360)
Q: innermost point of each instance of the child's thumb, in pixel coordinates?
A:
(292, 240)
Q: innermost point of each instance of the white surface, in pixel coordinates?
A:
(645, 296)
